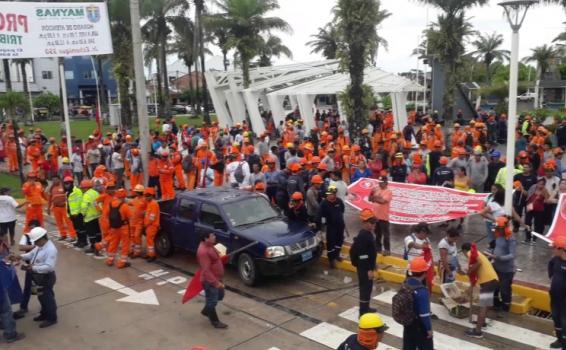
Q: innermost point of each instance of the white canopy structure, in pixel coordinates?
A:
(300, 83)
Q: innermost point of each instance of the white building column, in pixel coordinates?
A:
(251, 99)
(276, 106)
(399, 107)
(306, 106)
(218, 100)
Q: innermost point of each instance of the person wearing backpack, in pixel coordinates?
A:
(411, 308)
(237, 172)
(362, 255)
(119, 232)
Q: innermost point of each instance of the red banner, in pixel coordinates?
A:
(558, 227)
(412, 204)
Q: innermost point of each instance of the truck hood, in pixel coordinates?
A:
(276, 232)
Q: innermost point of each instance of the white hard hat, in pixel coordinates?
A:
(36, 233)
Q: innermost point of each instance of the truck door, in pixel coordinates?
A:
(184, 229)
(210, 220)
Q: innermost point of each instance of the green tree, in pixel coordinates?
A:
(357, 22)
(246, 21)
(220, 39)
(446, 40)
(325, 41)
(272, 47)
(487, 50)
(47, 100)
(14, 103)
(543, 56)
(22, 63)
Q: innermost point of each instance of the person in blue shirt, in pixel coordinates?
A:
(10, 293)
(360, 172)
(418, 335)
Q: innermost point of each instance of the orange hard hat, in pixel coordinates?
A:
(462, 152)
(86, 184)
(366, 215)
(309, 147)
(356, 148)
(303, 161)
(443, 160)
(346, 148)
(322, 166)
(150, 191)
(315, 159)
(260, 186)
(295, 167)
(418, 264)
(251, 148)
(437, 143)
(121, 193)
(68, 179)
(135, 151)
(297, 196)
(517, 184)
(32, 174)
(316, 179)
(559, 242)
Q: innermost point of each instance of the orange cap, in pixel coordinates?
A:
(418, 265)
(86, 184)
(297, 196)
(295, 167)
(366, 215)
(316, 179)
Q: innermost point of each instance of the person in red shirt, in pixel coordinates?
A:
(212, 271)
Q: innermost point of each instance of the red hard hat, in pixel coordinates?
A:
(316, 179)
(297, 196)
(121, 193)
(68, 179)
(86, 184)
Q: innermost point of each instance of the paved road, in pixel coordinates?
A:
(139, 308)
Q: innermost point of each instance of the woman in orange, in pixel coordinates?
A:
(11, 152)
(53, 150)
(204, 158)
(346, 163)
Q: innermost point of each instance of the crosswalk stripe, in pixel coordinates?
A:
(332, 336)
(497, 328)
(441, 341)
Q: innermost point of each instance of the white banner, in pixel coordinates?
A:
(39, 29)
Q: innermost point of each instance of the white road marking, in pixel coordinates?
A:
(146, 297)
(441, 341)
(500, 329)
(332, 336)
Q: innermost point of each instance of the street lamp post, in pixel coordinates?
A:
(516, 12)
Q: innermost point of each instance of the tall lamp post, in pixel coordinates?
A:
(516, 12)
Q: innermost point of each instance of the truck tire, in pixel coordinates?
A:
(164, 244)
(247, 269)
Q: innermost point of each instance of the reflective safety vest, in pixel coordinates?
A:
(88, 205)
(75, 199)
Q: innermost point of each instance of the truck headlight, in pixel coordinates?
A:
(274, 252)
(319, 237)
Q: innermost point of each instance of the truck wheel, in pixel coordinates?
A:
(247, 269)
(163, 244)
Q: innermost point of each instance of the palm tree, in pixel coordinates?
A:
(245, 21)
(356, 23)
(160, 14)
(22, 62)
(446, 42)
(220, 39)
(543, 56)
(325, 41)
(185, 47)
(7, 78)
(487, 50)
(272, 46)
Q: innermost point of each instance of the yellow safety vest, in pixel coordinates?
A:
(75, 199)
(88, 206)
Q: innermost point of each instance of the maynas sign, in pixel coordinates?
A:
(91, 12)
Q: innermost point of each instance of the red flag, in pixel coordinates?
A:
(472, 261)
(427, 255)
(97, 116)
(195, 285)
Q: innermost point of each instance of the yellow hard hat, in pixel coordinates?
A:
(290, 145)
(371, 321)
(65, 160)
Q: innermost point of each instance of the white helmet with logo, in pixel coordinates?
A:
(36, 233)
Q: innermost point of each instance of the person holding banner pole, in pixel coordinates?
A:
(557, 275)
(381, 197)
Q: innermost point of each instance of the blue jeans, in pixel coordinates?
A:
(6, 315)
(212, 295)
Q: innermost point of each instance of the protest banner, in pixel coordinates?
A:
(412, 203)
(41, 29)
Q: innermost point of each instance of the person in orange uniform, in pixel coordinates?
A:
(63, 149)
(346, 163)
(138, 206)
(54, 151)
(34, 154)
(57, 204)
(35, 197)
(166, 172)
(136, 168)
(176, 160)
(119, 232)
(151, 222)
(457, 135)
(103, 206)
(11, 152)
(204, 158)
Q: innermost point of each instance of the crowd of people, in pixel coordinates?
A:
(97, 195)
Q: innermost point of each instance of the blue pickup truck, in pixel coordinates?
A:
(238, 218)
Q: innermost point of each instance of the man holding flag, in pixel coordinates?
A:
(482, 272)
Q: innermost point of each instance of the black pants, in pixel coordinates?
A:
(26, 292)
(382, 233)
(503, 294)
(47, 298)
(153, 181)
(365, 286)
(79, 226)
(537, 219)
(558, 309)
(8, 227)
(334, 241)
(415, 337)
(93, 231)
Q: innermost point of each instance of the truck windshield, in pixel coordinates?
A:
(249, 211)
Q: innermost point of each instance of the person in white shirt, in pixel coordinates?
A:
(416, 241)
(341, 186)
(118, 166)
(8, 206)
(78, 168)
(232, 169)
(448, 264)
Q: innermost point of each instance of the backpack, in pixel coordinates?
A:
(187, 163)
(403, 311)
(239, 173)
(115, 217)
(354, 253)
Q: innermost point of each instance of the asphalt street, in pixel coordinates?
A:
(140, 307)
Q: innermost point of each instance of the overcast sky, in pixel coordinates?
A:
(407, 21)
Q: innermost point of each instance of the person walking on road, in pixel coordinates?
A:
(370, 332)
(363, 256)
(57, 204)
(119, 230)
(212, 273)
(91, 216)
(488, 282)
(418, 334)
(10, 291)
(332, 210)
(35, 197)
(8, 206)
(41, 263)
(381, 197)
(151, 222)
(557, 275)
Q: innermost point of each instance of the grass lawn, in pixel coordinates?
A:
(83, 128)
(13, 183)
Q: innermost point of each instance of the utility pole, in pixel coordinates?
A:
(199, 9)
(143, 122)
